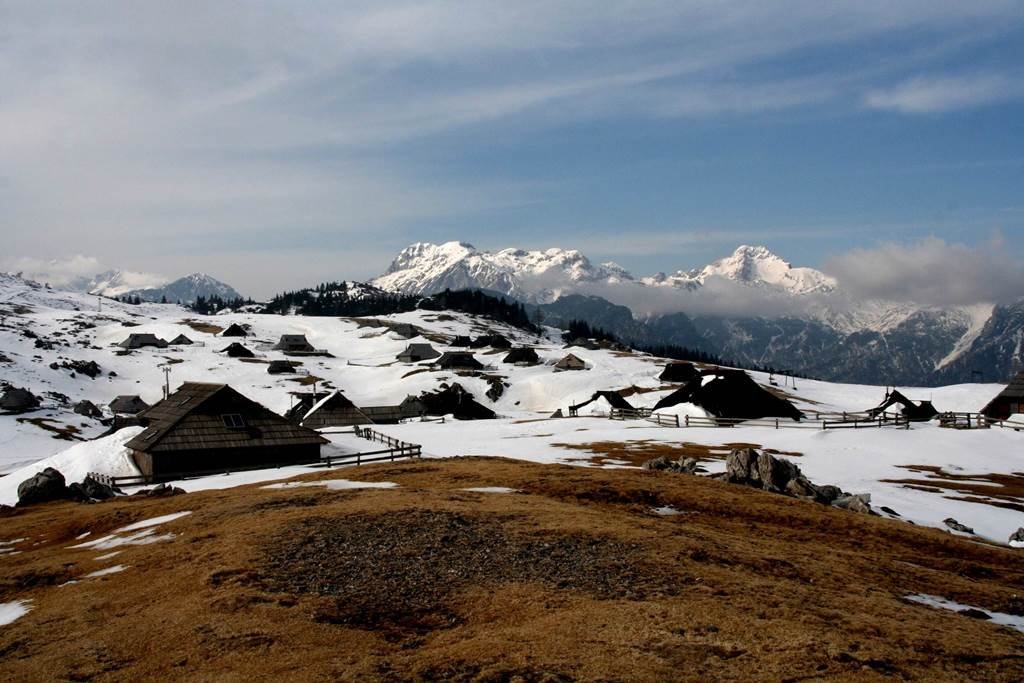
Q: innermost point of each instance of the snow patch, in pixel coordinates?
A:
(490, 489)
(334, 484)
(106, 571)
(12, 611)
(155, 521)
(1001, 618)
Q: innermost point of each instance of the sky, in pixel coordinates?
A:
(277, 145)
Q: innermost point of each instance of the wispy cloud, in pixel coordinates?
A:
(929, 95)
(233, 124)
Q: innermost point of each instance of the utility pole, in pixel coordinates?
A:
(167, 379)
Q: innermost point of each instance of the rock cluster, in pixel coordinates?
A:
(749, 467)
(49, 485)
(683, 465)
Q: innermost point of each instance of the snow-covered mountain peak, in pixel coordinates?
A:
(757, 265)
(117, 282)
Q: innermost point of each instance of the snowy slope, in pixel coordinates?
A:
(33, 318)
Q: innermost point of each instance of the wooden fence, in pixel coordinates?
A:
(395, 449)
(666, 420)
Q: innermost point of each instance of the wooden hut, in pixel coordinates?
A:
(88, 409)
(334, 410)
(495, 341)
(1009, 401)
(280, 367)
(180, 340)
(456, 401)
(234, 330)
(127, 404)
(294, 344)
(915, 412)
(732, 395)
(458, 360)
(461, 341)
(613, 399)
(414, 353)
(679, 372)
(203, 428)
(304, 402)
(522, 356)
(571, 362)
(237, 350)
(138, 340)
(17, 400)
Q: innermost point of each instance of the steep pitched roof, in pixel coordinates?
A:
(193, 418)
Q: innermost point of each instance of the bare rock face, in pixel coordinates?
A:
(1017, 537)
(683, 465)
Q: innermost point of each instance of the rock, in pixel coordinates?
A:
(889, 511)
(658, 464)
(496, 390)
(829, 493)
(43, 487)
(1017, 536)
(974, 613)
(97, 490)
(688, 465)
(957, 526)
(855, 503)
(161, 490)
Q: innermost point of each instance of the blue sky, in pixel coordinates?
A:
(277, 144)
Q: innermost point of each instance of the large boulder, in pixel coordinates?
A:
(43, 487)
(1017, 538)
(749, 467)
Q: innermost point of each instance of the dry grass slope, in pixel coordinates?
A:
(573, 578)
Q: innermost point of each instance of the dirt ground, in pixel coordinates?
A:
(571, 577)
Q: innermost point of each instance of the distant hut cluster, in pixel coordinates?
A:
(203, 428)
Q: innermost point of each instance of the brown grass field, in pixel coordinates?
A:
(571, 578)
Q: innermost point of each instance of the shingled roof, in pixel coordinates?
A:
(200, 416)
(1008, 402)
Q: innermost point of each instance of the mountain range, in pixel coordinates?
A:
(149, 287)
(751, 306)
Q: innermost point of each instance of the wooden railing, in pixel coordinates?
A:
(667, 420)
(629, 413)
(395, 449)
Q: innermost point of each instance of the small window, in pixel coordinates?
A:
(233, 421)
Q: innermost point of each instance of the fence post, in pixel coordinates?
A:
(776, 423)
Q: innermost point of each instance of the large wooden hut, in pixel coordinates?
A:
(1009, 401)
(234, 330)
(294, 344)
(138, 340)
(334, 410)
(679, 372)
(414, 353)
(458, 360)
(522, 356)
(730, 395)
(203, 428)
